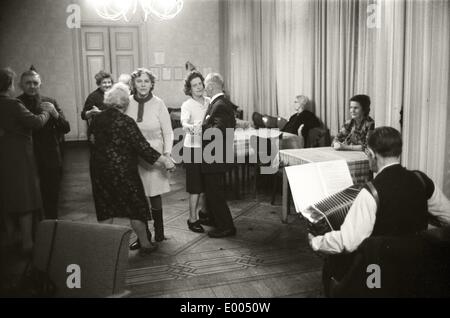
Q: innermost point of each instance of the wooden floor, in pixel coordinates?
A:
(265, 259)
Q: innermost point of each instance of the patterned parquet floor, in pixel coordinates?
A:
(265, 259)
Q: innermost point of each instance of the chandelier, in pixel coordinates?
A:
(121, 9)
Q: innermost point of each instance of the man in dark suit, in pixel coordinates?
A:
(218, 132)
(47, 142)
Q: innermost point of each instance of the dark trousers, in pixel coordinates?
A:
(215, 201)
(50, 179)
(335, 267)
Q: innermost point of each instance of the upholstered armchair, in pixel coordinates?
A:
(97, 252)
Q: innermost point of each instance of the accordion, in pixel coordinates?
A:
(328, 214)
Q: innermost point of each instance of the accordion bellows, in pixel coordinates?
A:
(328, 214)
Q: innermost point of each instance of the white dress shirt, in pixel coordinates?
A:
(360, 220)
(192, 114)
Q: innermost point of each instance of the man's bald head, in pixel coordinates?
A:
(214, 84)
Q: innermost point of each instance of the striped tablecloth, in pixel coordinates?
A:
(357, 161)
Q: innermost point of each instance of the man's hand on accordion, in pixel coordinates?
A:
(310, 241)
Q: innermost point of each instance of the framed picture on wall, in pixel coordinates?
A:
(160, 58)
(157, 72)
(166, 74)
(178, 73)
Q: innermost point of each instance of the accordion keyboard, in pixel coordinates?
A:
(329, 213)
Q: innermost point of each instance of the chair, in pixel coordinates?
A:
(267, 148)
(270, 121)
(281, 122)
(288, 143)
(318, 137)
(99, 250)
(258, 120)
(410, 267)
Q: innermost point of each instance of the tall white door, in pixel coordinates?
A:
(124, 50)
(109, 48)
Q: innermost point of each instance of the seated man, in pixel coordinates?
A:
(405, 204)
(301, 117)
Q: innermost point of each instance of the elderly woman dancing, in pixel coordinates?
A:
(117, 145)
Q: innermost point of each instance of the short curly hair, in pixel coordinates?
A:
(187, 82)
(137, 73)
(118, 96)
(364, 101)
(303, 100)
(100, 76)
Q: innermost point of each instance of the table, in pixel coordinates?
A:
(357, 161)
(242, 139)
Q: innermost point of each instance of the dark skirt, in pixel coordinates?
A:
(118, 192)
(194, 184)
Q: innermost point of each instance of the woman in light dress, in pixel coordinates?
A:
(192, 113)
(153, 119)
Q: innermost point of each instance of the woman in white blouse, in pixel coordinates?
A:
(192, 113)
(153, 119)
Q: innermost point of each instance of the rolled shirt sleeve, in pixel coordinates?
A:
(185, 116)
(439, 206)
(166, 127)
(358, 225)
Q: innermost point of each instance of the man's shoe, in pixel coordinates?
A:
(222, 233)
(206, 221)
(195, 227)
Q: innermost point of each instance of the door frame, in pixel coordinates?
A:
(80, 90)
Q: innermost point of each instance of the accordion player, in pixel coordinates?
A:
(329, 214)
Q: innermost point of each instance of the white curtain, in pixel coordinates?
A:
(239, 43)
(334, 59)
(426, 96)
(248, 52)
(294, 47)
(386, 42)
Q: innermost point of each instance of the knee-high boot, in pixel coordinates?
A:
(158, 224)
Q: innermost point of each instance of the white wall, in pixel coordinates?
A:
(35, 32)
(193, 36)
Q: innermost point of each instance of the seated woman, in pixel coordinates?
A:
(118, 144)
(301, 117)
(353, 135)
